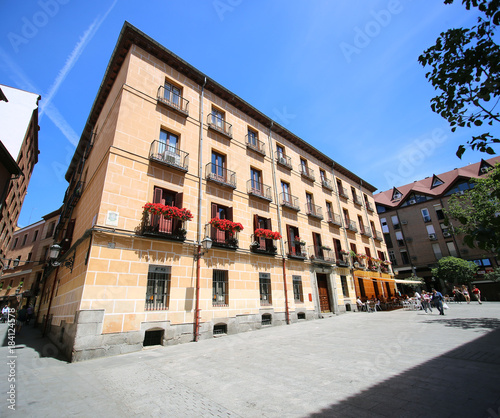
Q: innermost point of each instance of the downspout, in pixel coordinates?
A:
(200, 197)
(276, 197)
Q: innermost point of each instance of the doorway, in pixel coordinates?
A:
(324, 298)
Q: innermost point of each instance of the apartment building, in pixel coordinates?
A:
(19, 154)
(190, 214)
(412, 219)
(21, 279)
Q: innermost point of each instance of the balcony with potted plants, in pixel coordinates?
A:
(168, 155)
(306, 172)
(289, 201)
(284, 161)
(334, 219)
(260, 190)
(321, 254)
(173, 101)
(264, 241)
(220, 175)
(219, 125)
(254, 144)
(314, 211)
(223, 233)
(296, 249)
(168, 222)
(343, 261)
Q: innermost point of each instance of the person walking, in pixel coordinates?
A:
(437, 299)
(465, 292)
(477, 293)
(426, 301)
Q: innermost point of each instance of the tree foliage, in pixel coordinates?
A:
(478, 212)
(455, 270)
(465, 66)
(493, 275)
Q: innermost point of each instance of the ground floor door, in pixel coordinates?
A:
(324, 299)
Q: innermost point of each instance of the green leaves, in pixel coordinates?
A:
(455, 270)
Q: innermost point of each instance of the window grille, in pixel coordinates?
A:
(158, 288)
(219, 287)
(298, 293)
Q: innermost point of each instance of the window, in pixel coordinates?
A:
(399, 238)
(217, 118)
(219, 287)
(346, 217)
(158, 223)
(460, 187)
(15, 243)
(392, 258)
(252, 137)
(35, 235)
(395, 222)
(322, 175)
(50, 230)
(221, 212)
(440, 214)
(430, 231)
(329, 210)
(425, 215)
(25, 237)
(158, 288)
(303, 166)
(298, 293)
(294, 247)
(345, 288)
(396, 194)
(310, 203)
(256, 181)
(385, 227)
(172, 94)
(451, 248)
(285, 188)
(280, 150)
(404, 257)
(29, 257)
(437, 251)
(354, 195)
(338, 247)
(265, 289)
(169, 143)
(361, 225)
(361, 287)
(264, 244)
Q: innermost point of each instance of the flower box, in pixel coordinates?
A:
(226, 225)
(169, 212)
(267, 233)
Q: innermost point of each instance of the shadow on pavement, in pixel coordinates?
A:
(468, 323)
(31, 337)
(460, 383)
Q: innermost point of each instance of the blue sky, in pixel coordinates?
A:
(342, 75)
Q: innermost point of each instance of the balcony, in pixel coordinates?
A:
(378, 236)
(173, 101)
(220, 175)
(262, 245)
(357, 200)
(219, 125)
(289, 201)
(314, 211)
(284, 161)
(369, 207)
(351, 226)
(343, 261)
(306, 172)
(159, 227)
(254, 144)
(75, 194)
(343, 192)
(319, 254)
(260, 190)
(446, 232)
(365, 231)
(327, 184)
(334, 218)
(296, 250)
(222, 239)
(169, 156)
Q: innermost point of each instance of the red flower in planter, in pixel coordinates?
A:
(267, 233)
(226, 225)
(169, 212)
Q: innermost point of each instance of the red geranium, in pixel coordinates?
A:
(169, 212)
(267, 233)
(226, 225)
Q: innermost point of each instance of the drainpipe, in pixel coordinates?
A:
(276, 196)
(200, 197)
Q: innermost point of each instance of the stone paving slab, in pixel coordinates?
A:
(388, 364)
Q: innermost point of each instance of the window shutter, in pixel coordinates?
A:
(157, 195)
(315, 240)
(289, 236)
(229, 214)
(268, 224)
(214, 215)
(178, 200)
(255, 222)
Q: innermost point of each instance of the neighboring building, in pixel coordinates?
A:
(18, 156)
(162, 132)
(412, 219)
(25, 262)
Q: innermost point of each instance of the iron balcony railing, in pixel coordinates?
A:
(327, 184)
(343, 260)
(378, 235)
(284, 161)
(259, 190)
(289, 201)
(365, 231)
(321, 254)
(220, 175)
(218, 124)
(224, 239)
(254, 144)
(314, 211)
(369, 207)
(296, 250)
(306, 172)
(168, 155)
(75, 194)
(159, 226)
(263, 245)
(343, 192)
(356, 200)
(352, 226)
(173, 100)
(334, 218)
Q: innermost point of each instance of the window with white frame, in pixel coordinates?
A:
(399, 238)
(437, 251)
(425, 215)
(298, 293)
(385, 227)
(451, 249)
(395, 221)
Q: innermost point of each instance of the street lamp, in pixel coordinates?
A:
(206, 244)
(54, 252)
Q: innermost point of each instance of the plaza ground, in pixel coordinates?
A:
(388, 364)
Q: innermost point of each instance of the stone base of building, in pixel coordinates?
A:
(84, 340)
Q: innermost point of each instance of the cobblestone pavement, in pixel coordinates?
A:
(384, 364)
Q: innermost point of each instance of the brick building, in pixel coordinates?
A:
(162, 132)
(412, 220)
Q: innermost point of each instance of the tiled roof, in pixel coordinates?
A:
(425, 186)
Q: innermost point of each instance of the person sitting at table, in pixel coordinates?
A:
(361, 305)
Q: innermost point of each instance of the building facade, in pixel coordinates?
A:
(170, 160)
(412, 218)
(19, 154)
